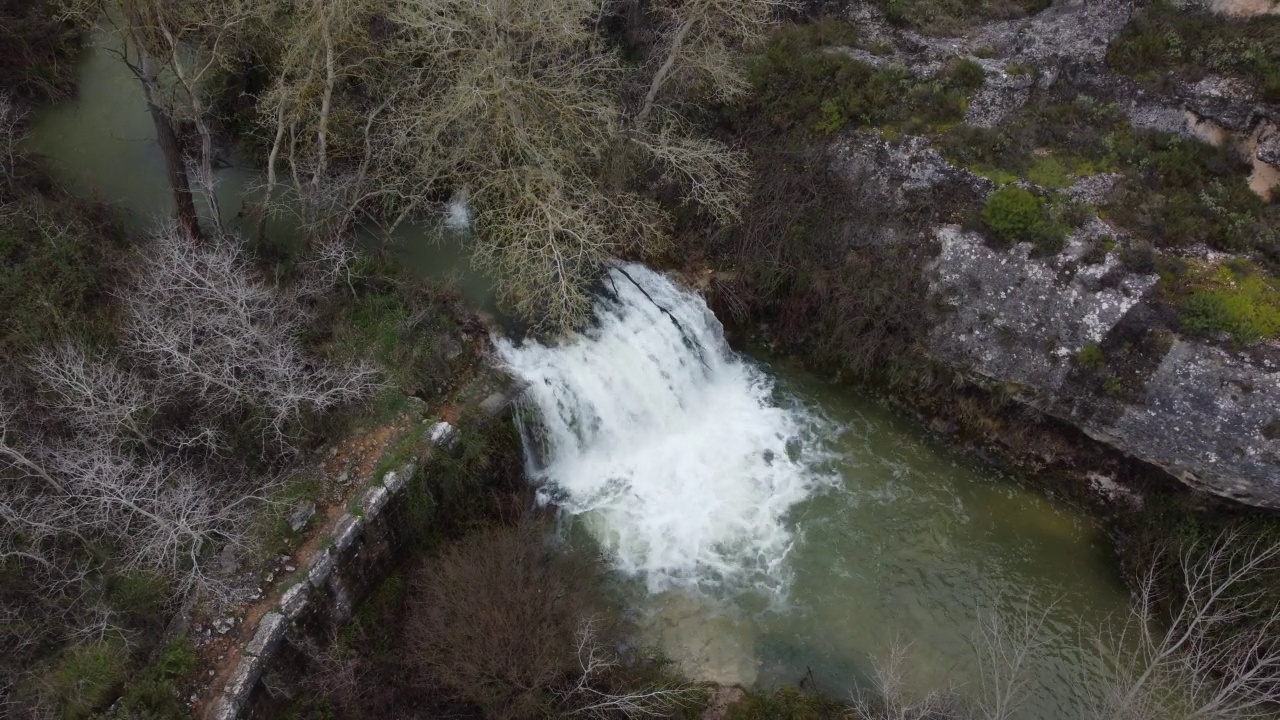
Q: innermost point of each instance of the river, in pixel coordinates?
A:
(769, 525)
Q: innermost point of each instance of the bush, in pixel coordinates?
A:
(1248, 311)
(965, 73)
(1167, 40)
(786, 704)
(57, 257)
(951, 17)
(37, 50)
(154, 694)
(494, 618)
(518, 628)
(800, 87)
(1013, 214)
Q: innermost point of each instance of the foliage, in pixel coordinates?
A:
(125, 467)
(58, 256)
(950, 17)
(1166, 40)
(803, 83)
(1178, 191)
(1244, 305)
(154, 693)
(1175, 191)
(83, 677)
(785, 704)
(500, 623)
(1013, 214)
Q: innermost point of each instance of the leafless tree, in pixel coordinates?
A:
(893, 695)
(333, 173)
(1214, 655)
(698, 45)
(207, 323)
(596, 660)
(1004, 647)
(11, 118)
(94, 393)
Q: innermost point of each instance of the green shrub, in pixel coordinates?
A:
(1248, 312)
(1047, 141)
(785, 704)
(154, 694)
(57, 256)
(951, 17)
(966, 73)
(1178, 192)
(1013, 214)
(804, 87)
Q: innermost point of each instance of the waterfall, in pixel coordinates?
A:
(675, 452)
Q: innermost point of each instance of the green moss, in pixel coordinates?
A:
(1246, 308)
(1050, 172)
(1048, 142)
(1091, 357)
(1113, 386)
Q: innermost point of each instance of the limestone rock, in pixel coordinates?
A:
(301, 514)
(1017, 318)
(1212, 419)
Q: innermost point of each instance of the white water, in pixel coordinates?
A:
(671, 447)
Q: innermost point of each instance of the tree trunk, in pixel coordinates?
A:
(179, 183)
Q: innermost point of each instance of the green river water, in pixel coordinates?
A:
(912, 543)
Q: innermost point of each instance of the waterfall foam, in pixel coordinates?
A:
(671, 447)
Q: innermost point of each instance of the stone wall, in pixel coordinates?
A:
(356, 552)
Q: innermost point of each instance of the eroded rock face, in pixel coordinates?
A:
(1210, 419)
(1021, 319)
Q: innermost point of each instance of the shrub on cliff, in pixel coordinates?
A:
(1247, 309)
(1013, 214)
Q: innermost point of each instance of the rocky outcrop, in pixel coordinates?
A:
(1021, 319)
(1082, 336)
(1209, 417)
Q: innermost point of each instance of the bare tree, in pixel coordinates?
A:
(596, 660)
(698, 45)
(171, 47)
(209, 325)
(1004, 647)
(11, 118)
(893, 695)
(333, 172)
(1216, 654)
